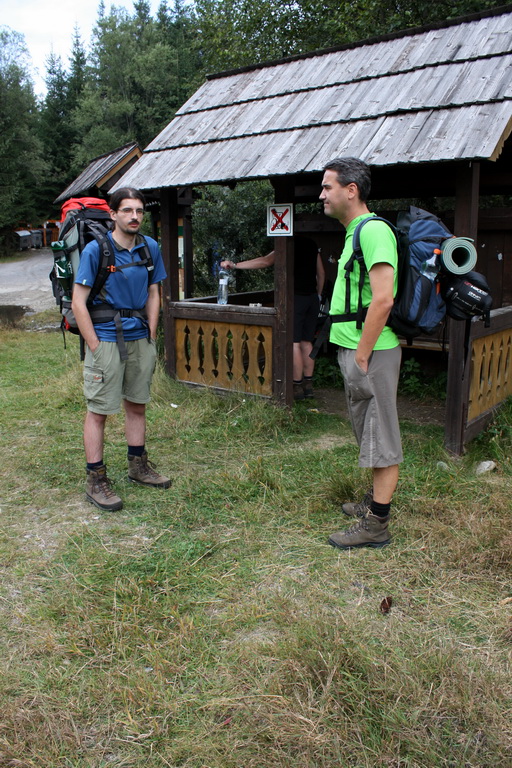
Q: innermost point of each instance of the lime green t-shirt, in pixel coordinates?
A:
(379, 246)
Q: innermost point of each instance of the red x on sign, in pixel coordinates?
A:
(280, 219)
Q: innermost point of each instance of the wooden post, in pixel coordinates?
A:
(188, 252)
(169, 233)
(457, 391)
(283, 302)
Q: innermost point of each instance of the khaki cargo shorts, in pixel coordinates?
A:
(371, 402)
(108, 380)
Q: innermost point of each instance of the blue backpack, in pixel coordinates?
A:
(419, 307)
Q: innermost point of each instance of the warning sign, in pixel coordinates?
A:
(280, 219)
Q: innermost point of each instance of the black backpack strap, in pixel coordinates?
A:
(357, 255)
(105, 312)
(360, 314)
(107, 261)
(323, 335)
(147, 261)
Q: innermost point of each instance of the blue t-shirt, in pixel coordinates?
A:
(124, 289)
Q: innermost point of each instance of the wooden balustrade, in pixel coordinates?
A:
(224, 354)
(491, 372)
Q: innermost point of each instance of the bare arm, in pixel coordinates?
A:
(320, 275)
(260, 262)
(153, 308)
(82, 316)
(381, 283)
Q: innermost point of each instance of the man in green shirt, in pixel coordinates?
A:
(369, 357)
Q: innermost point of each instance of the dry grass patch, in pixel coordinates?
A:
(210, 626)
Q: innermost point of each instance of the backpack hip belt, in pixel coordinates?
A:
(105, 313)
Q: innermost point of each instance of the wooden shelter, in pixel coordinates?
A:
(102, 173)
(429, 109)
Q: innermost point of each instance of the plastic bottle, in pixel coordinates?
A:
(430, 267)
(222, 293)
(62, 267)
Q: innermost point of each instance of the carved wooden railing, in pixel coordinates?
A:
(479, 377)
(226, 347)
(491, 372)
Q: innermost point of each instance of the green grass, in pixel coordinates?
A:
(210, 626)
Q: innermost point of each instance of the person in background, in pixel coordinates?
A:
(309, 278)
(369, 358)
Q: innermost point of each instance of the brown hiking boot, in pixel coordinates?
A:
(358, 508)
(98, 490)
(370, 531)
(143, 472)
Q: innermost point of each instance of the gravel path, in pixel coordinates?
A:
(24, 282)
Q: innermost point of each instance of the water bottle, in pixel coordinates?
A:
(62, 267)
(430, 267)
(222, 293)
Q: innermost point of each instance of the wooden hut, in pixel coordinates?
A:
(429, 109)
(102, 173)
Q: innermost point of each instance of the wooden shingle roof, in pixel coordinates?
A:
(101, 171)
(420, 96)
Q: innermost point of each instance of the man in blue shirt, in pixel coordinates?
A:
(120, 352)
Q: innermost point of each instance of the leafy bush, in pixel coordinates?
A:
(231, 224)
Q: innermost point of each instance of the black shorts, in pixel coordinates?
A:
(305, 317)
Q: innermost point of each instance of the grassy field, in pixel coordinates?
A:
(210, 625)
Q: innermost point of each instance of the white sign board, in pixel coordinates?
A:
(280, 220)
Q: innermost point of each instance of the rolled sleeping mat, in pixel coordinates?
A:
(458, 255)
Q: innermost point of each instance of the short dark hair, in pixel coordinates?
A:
(351, 170)
(124, 193)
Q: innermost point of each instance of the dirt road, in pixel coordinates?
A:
(24, 282)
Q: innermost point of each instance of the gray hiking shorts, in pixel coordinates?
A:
(108, 380)
(371, 402)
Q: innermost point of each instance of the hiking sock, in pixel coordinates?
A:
(92, 466)
(136, 450)
(379, 510)
(308, 379)
(298, 383)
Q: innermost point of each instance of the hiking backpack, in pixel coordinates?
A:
(84, 220)
(425, 293)
(419, 306)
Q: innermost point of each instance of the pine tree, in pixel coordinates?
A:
(21, 154)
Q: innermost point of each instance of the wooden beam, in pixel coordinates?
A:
(457, 391)
(169, 234)
(188, 252)
(283, 300)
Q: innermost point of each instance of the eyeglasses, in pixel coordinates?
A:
(136, 211)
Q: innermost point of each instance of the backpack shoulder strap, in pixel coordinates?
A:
(148, 259)
(357, 255)
(107, 260)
